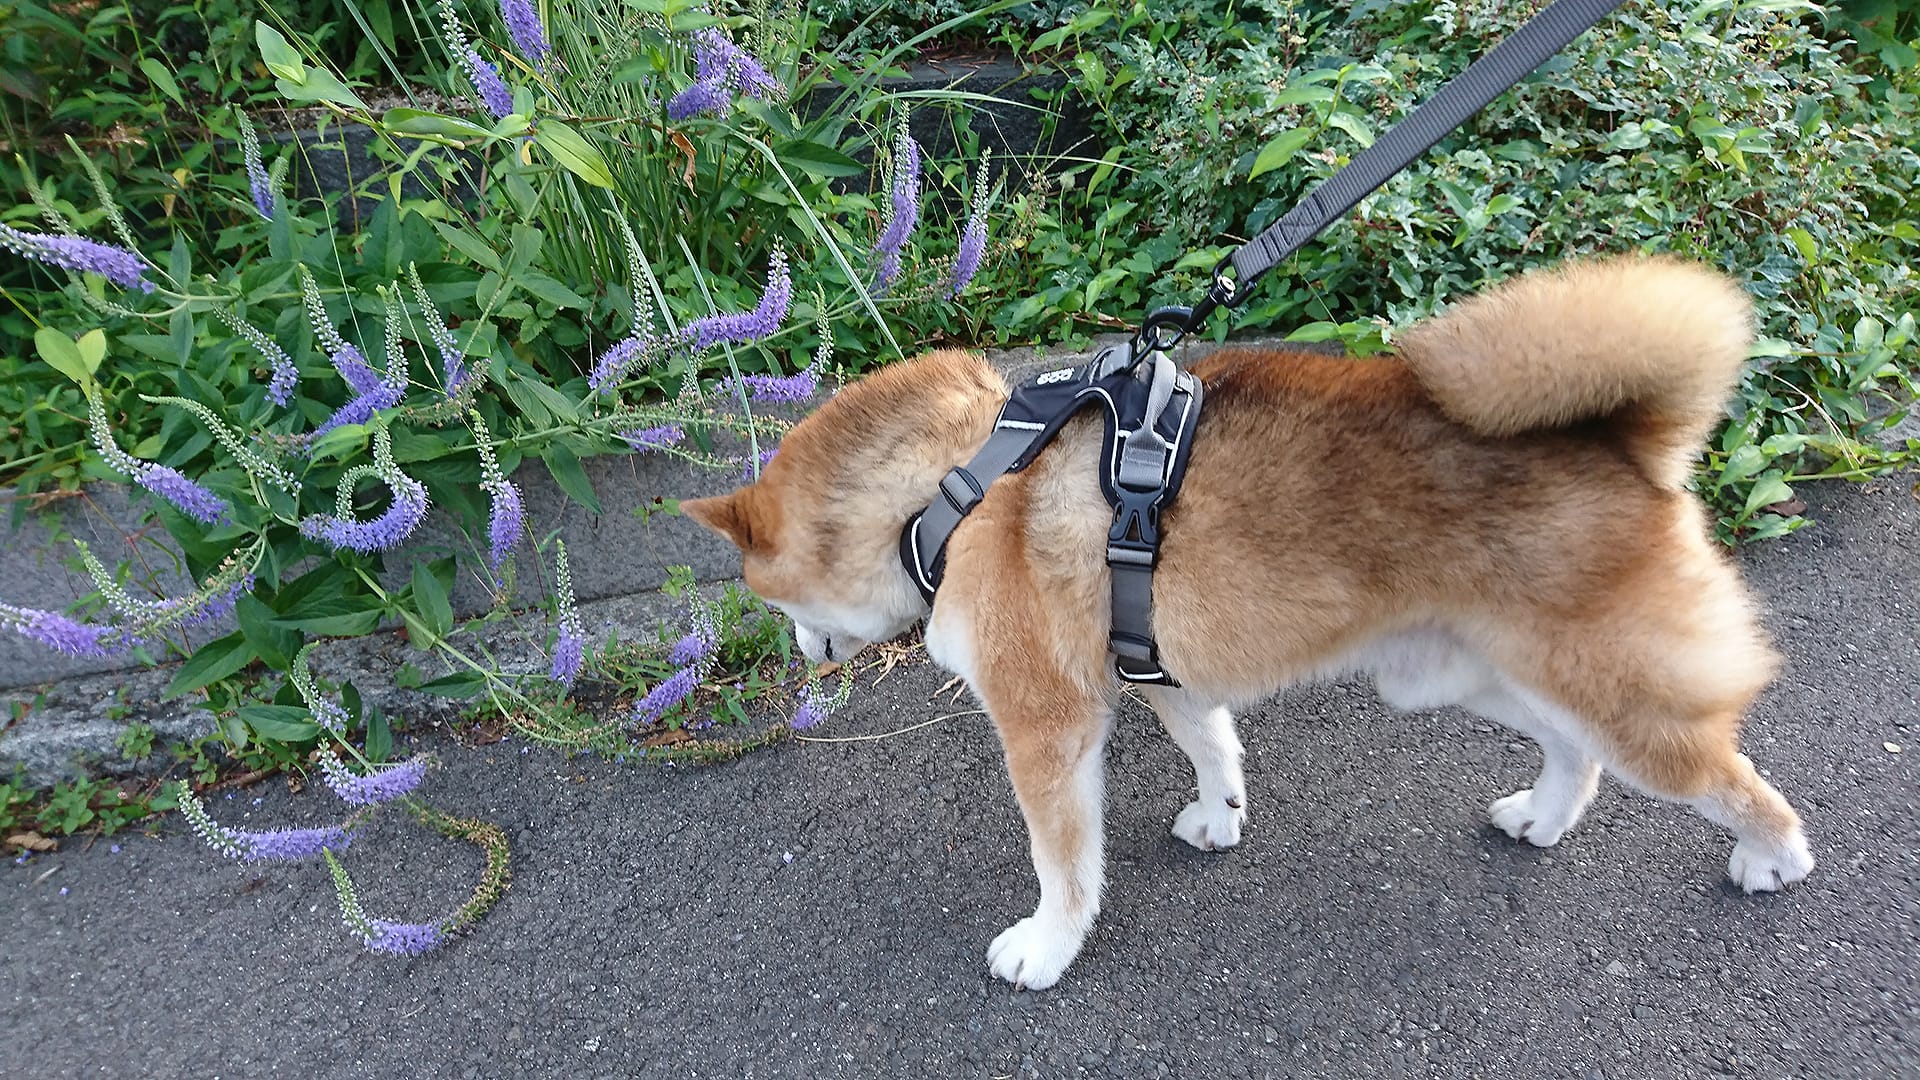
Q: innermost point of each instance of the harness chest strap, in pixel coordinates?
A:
(1142, 465)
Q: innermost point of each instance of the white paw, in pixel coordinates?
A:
(1210, 826)
(1518, 817)
(1758, 866)
(1033, 952)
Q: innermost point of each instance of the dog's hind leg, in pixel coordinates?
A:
(1212, 821)
(1699, 764)
(1055, 743)
(1569, 775)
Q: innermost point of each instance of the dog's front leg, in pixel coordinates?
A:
(1055, 738)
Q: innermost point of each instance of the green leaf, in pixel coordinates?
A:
(430, 600)
(1308, 94)
(1867, 333)
(460, 684)
(273, 640)
(816, 159)
(545, 288)
(280, 57)
(379, 736)
(573, 152)
(562, 407)
(572, 479)
(1501, 204)
(280, 723)
(430, 125)
(210, 663)
(1316, 331)
(341, 442)
(320, 85)
(466, 243)
(337, 624)
(161, 78)
(1350, 123)
(1767, 490)
(63, 355)
(1280, 150)
(1742, 463)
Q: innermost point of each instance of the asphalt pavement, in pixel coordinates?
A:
(823, 909)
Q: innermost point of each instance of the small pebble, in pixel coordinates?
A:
(1892, 747)
(63, 890)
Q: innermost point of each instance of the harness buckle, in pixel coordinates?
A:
(961, 490)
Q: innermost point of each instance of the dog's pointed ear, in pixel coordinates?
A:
(730, 515)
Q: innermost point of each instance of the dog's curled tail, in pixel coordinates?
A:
(1652, 345)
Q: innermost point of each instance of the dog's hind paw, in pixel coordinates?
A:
(1768, 866)
(1032, 953)
(1519, 817)
(1210, 826)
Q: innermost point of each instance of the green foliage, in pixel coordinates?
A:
(1732, 133)
(318, 382)
(135, 742)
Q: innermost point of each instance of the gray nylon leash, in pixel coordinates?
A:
(1493, 74)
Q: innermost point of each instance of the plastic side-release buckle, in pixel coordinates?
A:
(1139, 483)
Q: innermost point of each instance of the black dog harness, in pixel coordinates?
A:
(1149, 435)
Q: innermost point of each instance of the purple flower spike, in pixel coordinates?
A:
(329, 714)
(217, 605)
(274, 844)
(257, 181)
(455, 366)
(973, 247)
(615, 361)
(569, 653)
(486, 80)
(743, 328)
(279, 845)
(379, 786)
(775, 389)
(523, 22)
(669, 692)
(569, 649)
(193, 500)
(903, 214)
(352, 365)
(62, 634)
(690, 649)
(701, 97)
(751, 77)
(503, 528)
(361, 409)
(973, 236)
(721, 69)
(116, 264)
(384, 533)
(404, 939)
(812, 710)
(285, 377)
(654, 438)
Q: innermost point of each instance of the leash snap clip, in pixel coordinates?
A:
(1174, 320)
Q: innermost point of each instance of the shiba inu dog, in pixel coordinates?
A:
(1494, 516)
